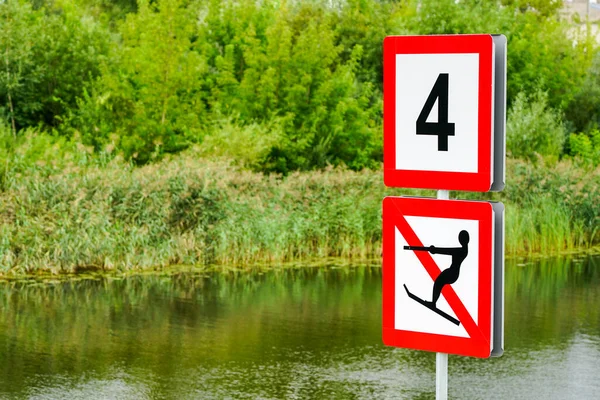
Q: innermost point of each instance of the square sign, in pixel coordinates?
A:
(444, 111)
(443, 275)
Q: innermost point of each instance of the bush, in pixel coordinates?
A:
(548, 54)
(50, 57)
(255, 64)
(149, 93)
(533, 128)
(583, 111)
(586, 148)
(544, 52)
(285, 63)
(249, 145)
(155, 77)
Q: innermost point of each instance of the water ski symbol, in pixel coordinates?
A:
(447, 276)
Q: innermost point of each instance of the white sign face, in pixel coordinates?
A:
(441, 233)
(451, 82)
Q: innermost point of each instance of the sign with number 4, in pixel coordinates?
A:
(444, 111)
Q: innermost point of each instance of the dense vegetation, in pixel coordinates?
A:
(112, 110)
(65, 210)
(299, 82)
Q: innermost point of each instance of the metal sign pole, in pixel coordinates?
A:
(441, 359)
(441, 376)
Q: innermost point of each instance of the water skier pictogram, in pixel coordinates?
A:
(447, 276)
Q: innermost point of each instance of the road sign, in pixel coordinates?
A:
(444, 111)
(443, 275)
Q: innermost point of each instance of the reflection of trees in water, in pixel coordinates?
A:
(550, 300)
(165, 324)
(181, 321)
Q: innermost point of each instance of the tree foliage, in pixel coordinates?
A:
(533, 128)
(298, 83)
(49, 57)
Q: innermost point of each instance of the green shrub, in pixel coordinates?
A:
(248, 145)
(550, 55)
(156, 77)
(290, 67)
(255, 64)
(583, 111)
(534, 128)
(49, 57)
(149, 94)
(586, 147)
(545, 52)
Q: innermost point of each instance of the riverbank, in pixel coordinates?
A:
(69, 212)
(44, 277)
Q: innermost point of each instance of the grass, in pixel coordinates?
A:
(64, 211)
(544, 228)
(181, 211)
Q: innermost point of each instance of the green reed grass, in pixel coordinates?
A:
(65, 211)
(544, 227)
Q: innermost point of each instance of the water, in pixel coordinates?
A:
(299, 333)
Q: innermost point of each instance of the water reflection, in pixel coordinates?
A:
(297, 333)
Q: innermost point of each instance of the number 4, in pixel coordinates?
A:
(442, 128)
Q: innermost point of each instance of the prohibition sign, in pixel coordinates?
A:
(405, 328)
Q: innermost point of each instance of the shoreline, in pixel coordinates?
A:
(49, 277)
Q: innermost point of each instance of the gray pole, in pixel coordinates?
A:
(441, 359)
(441, 376)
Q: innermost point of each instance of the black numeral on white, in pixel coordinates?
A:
(442, 128)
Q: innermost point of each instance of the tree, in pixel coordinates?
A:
(17, 32)
(152, 83)
(50, 57)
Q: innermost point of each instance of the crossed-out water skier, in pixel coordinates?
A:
(449, 275)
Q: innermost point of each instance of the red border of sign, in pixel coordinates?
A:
(480, 181)
(395, 209)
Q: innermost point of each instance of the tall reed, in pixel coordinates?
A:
(64, 210)
(544, 227)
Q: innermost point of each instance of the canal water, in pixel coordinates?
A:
(306, 333)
